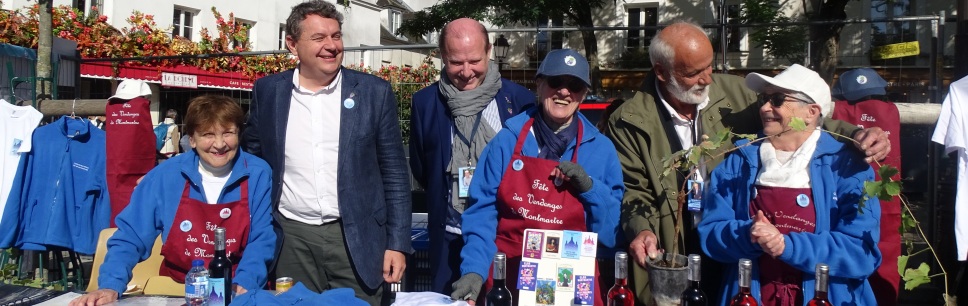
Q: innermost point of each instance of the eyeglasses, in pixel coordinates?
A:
(573, 84)
(776, 99)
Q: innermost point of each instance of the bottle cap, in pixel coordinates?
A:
(500, 256)
(745, 263)
(621, 255)
(198, 263)
(694, 258)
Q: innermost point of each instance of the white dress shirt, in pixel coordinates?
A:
(952, 132)
(309, 191)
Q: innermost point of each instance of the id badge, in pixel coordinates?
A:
(694, 198)
(464, 181)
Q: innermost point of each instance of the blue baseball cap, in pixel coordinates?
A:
(565, 62)
(856, 84)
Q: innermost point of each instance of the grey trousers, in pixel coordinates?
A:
(316, 255)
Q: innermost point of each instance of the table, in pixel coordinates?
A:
(22, 295)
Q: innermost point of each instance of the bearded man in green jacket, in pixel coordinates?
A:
(679, 102)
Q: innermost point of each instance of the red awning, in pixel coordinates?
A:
(177, 76)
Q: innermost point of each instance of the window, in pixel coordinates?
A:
(394, 19)
(282, 36)
(248, 25)
(88, 7)
(641, 17)
(735, 34)
(182, 22)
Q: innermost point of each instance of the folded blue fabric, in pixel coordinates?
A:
(299, 295)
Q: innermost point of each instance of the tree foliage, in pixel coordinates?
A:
(787, 42)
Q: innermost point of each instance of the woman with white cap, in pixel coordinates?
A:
(793, 200)
(553, 153)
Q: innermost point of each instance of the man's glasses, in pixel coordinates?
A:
(573, 84)
(775, 99)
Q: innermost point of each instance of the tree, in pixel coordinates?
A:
(512, 12)
(45, 37)
(826, 36)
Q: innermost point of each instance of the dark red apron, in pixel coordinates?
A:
(866, 114)
(530, 180)
(192, 233)
(130, 148)
(790, 210)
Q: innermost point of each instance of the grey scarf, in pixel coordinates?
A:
(465, 107)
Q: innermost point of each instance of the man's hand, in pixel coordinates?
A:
(873, 142)
(644, 244)
(239, 290)
(467, 288)
(394, 263)
(767, 236)
(99, 297)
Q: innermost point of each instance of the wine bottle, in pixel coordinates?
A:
(820, 286)
(499, 294)
(220, 273)
(744, 297)
(693, 296)
(620, 294)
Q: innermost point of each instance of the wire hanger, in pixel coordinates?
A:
(73, 104)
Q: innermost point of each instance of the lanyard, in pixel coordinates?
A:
(477, 123)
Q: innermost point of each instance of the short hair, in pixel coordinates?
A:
(171, 113)
(207, 111)
(442, 45)
(315, 7)
(661, 50)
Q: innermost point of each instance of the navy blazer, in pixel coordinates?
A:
(371, 155)
(430, 143)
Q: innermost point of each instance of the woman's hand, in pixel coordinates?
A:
(767, 236)
(574, 174)
(99, 297)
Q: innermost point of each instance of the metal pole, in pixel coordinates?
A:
(723, 43)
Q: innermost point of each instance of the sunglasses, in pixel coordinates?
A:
(775, 99)
(573, 84)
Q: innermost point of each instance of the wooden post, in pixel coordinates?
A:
(82, 108)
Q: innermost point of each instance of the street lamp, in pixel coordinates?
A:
(501, 47)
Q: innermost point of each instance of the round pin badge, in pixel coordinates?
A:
(570, 60)
(861, 79)
(225, 213)
(349, 103)
(803, 200)
(557, 182)
(517, 165)
(185, 226)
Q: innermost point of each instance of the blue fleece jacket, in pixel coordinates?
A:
(845, 238)
(155, 201)
(60, 194)
(596, 155)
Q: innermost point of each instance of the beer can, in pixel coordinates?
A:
(283, 284)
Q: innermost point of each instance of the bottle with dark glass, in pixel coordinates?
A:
(499, 294)
(744, 297)
(820, 286)
(220, 273)
(693, 296)
(620, 294)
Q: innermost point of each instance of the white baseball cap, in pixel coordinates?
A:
(798, 79)
(130, 89)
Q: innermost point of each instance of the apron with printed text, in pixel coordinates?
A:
(528, 198)
(790, 210)
(192, 232)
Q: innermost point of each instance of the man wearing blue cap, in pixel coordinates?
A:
(858, 93)
(549, 168)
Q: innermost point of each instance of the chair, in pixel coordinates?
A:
(163, 285)
(141, 272)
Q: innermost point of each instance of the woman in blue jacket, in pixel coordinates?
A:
(549, 168)
(186, 197)
(792, 201)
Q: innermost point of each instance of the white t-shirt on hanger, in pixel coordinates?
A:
(17, 124)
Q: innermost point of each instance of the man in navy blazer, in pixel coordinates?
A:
(332, 138)
(450, 123)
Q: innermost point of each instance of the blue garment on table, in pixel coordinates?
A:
(299, 295)
(60, 193)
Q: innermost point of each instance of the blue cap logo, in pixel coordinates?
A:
(570, 60)
(861, 79)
